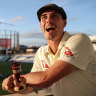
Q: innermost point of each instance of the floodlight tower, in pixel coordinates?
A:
(6, 48)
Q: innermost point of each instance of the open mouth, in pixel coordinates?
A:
(50, 29)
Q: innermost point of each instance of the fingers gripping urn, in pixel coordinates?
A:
(16, 68)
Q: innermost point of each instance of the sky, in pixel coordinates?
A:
(20, 16)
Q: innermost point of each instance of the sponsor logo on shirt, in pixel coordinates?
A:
(68, 52)
(44, 64)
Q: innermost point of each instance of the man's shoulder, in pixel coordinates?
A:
(78, 39)
(79, 36)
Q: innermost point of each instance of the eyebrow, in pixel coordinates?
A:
(44, 14)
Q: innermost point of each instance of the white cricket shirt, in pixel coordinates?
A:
(77, 50)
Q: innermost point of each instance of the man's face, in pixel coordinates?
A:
(52, 25)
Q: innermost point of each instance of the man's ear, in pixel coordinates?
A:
(65, 22)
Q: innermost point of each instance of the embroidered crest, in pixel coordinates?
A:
(44, 64)
(68, 52)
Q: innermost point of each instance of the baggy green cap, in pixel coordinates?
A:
(51, 6)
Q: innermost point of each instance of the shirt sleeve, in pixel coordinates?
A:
(37, 65)
(78, 50)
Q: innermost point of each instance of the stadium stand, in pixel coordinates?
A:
(93, 40)
(4, 58)
(23, 58)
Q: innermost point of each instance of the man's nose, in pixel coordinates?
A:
(49, 19)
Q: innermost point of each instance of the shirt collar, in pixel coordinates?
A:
(65, 37)
(48, 49)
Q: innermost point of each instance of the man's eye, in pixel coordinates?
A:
(43, 17)
(54, 16)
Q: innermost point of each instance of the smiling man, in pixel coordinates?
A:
(67, 64)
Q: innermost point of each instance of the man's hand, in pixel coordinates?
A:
(22, 82)
(8, 84)
(11, 82)
(21, 85)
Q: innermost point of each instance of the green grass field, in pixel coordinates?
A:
(5, 70)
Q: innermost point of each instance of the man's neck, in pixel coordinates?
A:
(54, 44)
